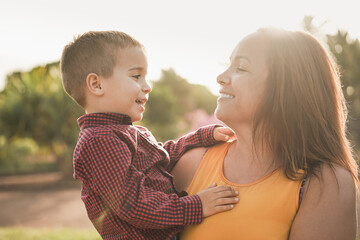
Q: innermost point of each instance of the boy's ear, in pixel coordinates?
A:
(94, 84)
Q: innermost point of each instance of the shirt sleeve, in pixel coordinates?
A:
(203, 137)
(121, 186)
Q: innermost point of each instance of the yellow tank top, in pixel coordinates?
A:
(265, 210)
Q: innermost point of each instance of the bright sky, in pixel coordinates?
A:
(195, 37)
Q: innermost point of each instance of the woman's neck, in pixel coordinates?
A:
(246, 161)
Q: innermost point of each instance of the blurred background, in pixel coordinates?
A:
(188, 44)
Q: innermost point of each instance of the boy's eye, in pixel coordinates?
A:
(137, 77)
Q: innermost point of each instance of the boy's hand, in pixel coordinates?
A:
(216, 199)
(223, 133)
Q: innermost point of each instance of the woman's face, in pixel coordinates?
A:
(243, 83)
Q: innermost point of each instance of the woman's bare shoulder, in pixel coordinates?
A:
(186, 167)
(332, 180)
(328, 208)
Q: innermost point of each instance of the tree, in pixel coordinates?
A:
(33, 105)
(347, 54)
(171, 98)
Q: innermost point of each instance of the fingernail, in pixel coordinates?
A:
(226, 137)
(231, 206)
(236, 192)
(236, 199)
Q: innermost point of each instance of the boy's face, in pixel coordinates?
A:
(126, 90)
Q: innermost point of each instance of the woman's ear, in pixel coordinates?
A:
(94, 84)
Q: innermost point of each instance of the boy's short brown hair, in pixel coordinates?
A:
(91, 52)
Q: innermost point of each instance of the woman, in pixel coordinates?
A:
(291, 161)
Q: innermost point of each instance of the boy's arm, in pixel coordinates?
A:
(122, 187)
(203, 137)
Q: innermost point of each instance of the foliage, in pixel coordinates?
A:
(171, 98)
(34, 106)
(188, 96)
(16, 153)
(161, 114)
(347, 54)
(47, 234)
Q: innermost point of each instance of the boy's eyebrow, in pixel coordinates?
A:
(136, 68)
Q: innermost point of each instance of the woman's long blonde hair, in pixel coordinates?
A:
(302, 117)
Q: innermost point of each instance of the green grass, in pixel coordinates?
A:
(47, 234)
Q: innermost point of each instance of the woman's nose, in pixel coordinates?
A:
(222, 79)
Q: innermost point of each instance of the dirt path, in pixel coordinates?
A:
(41, 201)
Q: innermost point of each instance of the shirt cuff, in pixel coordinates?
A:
(192, 209)
(207, 135)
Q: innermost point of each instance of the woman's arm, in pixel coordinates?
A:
(328, 208)
(186, 167)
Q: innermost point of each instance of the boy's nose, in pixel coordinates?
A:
(146, 88)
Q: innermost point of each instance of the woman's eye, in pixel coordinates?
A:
(241, 68)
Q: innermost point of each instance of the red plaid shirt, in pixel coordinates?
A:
(126, 188)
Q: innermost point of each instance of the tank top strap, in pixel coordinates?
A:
(211, 163)
(216, 152)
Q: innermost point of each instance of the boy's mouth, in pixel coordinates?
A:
(141, 101)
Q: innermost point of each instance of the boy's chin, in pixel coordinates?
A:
(137, 118)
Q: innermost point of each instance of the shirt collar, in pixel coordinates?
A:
(100, 119)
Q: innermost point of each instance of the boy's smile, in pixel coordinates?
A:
(141, 102)
(126, 90)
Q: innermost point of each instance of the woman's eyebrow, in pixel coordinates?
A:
(242, 57)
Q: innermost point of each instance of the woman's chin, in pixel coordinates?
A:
(220, 115)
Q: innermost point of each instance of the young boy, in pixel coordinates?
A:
(126, 188)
